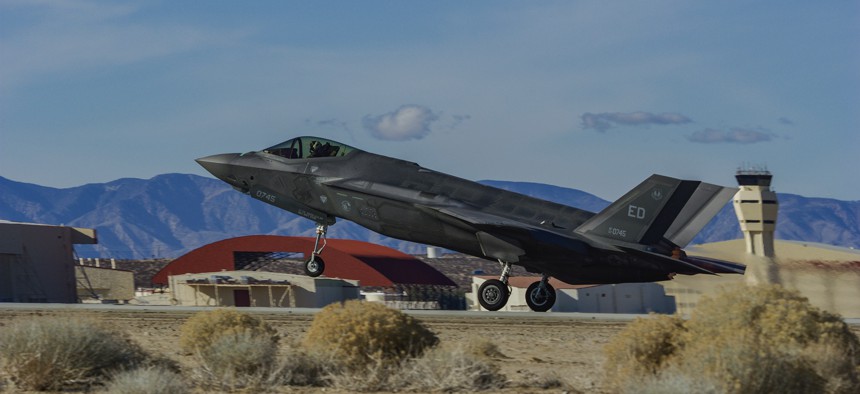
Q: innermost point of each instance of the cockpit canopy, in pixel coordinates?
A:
(309, 148)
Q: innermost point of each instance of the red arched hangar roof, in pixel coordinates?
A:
(370, 264)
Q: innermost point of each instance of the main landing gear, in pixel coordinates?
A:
(315, 265)
(493, 293)
(540, 296)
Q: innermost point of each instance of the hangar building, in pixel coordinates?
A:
(371, 265)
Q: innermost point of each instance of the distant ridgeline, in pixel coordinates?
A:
(171, 214)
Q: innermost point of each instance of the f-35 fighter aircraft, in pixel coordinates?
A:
(636, 239)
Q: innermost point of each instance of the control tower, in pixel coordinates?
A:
(756, 207)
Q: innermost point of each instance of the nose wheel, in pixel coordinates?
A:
(315, 265)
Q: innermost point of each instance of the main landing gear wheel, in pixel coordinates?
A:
(314, 266)
(540, 298)
(493, 294)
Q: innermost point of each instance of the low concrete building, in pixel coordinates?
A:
(828, 276)
(37, 261)
(104, 284)
(259, 289)
(618, 298)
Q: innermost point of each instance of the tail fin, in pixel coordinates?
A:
(659, 208)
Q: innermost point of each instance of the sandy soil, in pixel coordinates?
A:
(532, 348)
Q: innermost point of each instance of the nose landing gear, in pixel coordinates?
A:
(315, 265)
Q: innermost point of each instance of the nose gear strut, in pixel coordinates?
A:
(315, 265)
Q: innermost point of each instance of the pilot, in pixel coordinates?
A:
(320, 150)
(314, 147)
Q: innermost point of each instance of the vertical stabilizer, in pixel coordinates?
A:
(660, 208)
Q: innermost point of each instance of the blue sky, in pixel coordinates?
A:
(587, 94)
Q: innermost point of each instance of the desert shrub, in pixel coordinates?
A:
(774, 334)
(745, 365)
(204, 328)
(772, 315)
(643, 347)
(239, 360)
(744, 340)
(58, 353)
(449, 370)
(357, 333)
(147, 380)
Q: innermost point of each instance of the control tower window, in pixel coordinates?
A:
(309, 148)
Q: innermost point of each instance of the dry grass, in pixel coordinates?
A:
(55, 353)
(450, 370)
(147, 380)
(439, 369)
(243, 360)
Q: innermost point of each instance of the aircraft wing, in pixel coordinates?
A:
(476, 218)
(503, 238)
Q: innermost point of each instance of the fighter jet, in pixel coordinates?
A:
(638, 238)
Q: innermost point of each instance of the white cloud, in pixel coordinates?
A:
(606, 120)
(409, 122)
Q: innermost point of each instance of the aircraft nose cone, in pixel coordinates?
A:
(219, 165)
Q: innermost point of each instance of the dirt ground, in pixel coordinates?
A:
(532, 347)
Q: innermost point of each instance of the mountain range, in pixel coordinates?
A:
(171, 214)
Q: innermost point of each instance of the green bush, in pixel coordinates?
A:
(59, 353)
(147, 380)
(744, 340)
(204, 328)
(357, 333)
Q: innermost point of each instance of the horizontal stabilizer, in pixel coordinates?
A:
(716, 266)
(682, 265)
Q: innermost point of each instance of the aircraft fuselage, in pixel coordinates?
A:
(403, 200)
